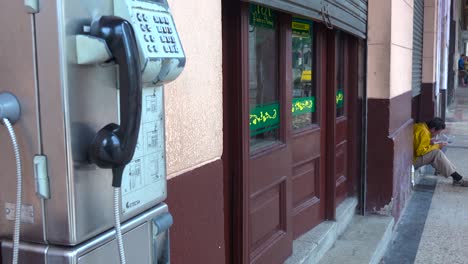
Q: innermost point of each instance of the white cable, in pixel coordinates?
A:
(118, 230)
(16, 232)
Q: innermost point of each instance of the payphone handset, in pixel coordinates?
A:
(149, 54)
(160, 48)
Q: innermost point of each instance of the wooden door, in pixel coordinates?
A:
(269, 153)
(308, 126)
(342, 92)
(279, 156)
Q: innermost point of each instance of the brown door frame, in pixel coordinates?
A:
(330, 120)
(234, 48)
(355, 106)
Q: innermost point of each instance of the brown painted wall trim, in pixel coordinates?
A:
(379, 155)
(389, 153)
(400, 111)
(402, 161)
(196, 202)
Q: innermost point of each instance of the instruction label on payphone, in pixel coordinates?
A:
(144, 178)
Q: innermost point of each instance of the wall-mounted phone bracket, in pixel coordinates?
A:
(32, 6)
(9, 107)
(91, 50)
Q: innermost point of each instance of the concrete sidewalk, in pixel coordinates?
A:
(434, 226)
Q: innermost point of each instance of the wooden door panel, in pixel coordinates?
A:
(267, 169)
(306, 145)
(341, 130)
(270, 234)
(341, 160)
(267, 211)
(308, 211)
(341, 179)
(273, 250)
(307, 206)
(269, 205)
(305, 183)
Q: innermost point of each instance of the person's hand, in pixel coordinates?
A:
(443, 144)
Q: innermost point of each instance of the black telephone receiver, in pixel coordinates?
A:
(114, 145)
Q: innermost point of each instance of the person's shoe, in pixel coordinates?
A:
(462, 183)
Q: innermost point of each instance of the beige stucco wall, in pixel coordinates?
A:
(430, 40)
(390, 47)
(193, 103)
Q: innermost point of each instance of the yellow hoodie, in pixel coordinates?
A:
(422, 140)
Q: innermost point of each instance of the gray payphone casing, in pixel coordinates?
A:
(65, 104)
(145, 243)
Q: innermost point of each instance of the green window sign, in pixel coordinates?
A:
(339, 98)
(264, 118)
(261, 16)
(303, 105)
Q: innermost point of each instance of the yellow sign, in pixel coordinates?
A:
(300, 26)
(306, 76)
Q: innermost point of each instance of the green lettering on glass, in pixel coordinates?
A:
(339, 98)
(264, 118)
(262, 16)
(303, 105)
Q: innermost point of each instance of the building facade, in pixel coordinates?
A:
(286, 109)
(367, 70)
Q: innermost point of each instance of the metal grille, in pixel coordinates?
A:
(347, 15)
(418, 28)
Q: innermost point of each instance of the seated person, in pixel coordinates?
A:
(425, 152)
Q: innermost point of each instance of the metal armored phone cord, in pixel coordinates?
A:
(118, 230)
(19, 176)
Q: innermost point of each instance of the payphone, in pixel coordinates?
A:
(108, 146)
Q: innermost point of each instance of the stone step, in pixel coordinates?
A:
(312, 246)
(364, 241)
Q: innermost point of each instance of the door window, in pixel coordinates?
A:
(303, 62)
(264, 106)
(340, 82)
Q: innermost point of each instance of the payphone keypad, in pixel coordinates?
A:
(158, 32)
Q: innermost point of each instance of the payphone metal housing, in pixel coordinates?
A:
(70, 102)
(145, 243)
